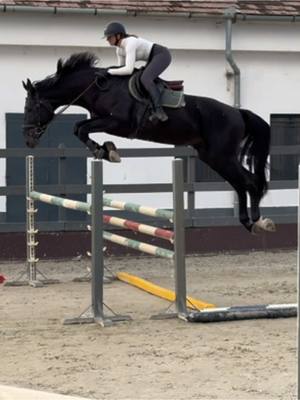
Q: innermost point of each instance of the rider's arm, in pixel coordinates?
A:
(130, 58)
(121, 58)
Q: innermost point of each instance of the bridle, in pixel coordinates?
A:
(39, 128)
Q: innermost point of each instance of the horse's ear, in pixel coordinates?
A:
(59, 66)
(29, 86)
(24, 85)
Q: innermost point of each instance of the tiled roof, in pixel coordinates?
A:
(172, 7)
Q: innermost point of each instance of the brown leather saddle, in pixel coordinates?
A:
(172, 94)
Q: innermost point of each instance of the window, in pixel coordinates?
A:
(285, 131)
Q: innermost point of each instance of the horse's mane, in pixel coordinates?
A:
(74, 63)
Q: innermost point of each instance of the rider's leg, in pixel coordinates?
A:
(159, 61)
(158, 111)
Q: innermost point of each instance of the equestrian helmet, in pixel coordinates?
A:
(114, 28)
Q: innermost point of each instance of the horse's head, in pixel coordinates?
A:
(37, 115)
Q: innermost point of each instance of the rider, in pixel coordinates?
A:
(129, 49)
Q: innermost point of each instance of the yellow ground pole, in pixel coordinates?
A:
(160, 291)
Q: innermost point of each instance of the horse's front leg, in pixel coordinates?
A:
(108, 150)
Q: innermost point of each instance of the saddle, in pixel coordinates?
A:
(172, 94)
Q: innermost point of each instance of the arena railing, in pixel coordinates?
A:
(194, 216)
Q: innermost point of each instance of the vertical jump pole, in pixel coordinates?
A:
(31, 271)
(95, 313)
(31, 231)
(179, 242)
(97, 250)
(30, 228)
(97, 241)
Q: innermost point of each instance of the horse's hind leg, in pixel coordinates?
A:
(259, 224)
(242, 181)
(243, 212)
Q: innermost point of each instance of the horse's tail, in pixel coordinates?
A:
(257, 146)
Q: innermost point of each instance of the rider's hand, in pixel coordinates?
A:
(113, 67)
(103, 73)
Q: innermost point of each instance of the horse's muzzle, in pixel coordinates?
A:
(32, 136)
(30, 142)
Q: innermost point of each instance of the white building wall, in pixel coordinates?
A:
(268, 55)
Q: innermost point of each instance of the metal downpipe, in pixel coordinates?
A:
(229, 17)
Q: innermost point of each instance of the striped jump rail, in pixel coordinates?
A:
(138, 227)
(136, 245)
(85, 207)
(236, 313)
(59, 201)
(152, 212)
(95, 209)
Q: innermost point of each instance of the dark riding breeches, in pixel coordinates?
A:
(159, 60)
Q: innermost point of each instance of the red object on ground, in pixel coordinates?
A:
(2, 279)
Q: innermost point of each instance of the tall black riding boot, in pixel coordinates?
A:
(158, 111)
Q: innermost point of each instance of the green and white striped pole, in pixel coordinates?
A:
(60, 202)
(140, 246)
(152, 212)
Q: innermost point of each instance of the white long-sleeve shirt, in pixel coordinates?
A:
(131, 49)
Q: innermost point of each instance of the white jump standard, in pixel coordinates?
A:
(31, 271)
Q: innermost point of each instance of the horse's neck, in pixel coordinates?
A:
(67, 92)
(55, 96)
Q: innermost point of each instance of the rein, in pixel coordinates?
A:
(76, 98)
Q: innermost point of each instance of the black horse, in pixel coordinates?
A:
(223, 136)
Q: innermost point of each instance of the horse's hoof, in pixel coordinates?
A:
(153, 118)
(269, 225)
(113, 156)
(256, 229)
(263, 224)
(99, 154)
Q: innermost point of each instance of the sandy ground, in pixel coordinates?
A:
(146, 359)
